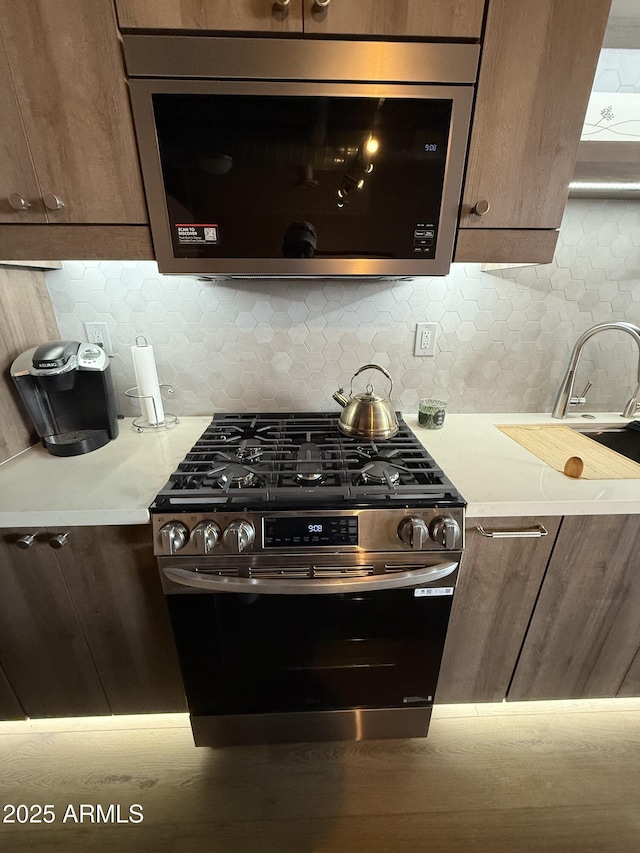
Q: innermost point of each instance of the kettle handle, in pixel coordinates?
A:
(372, 367)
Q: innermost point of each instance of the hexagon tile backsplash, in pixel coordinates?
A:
(504, 337)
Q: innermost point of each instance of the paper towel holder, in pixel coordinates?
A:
(142, 424)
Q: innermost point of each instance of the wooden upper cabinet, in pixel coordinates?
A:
(239, 15)
(19, 190)
(419, 18)
(537, 69)
(70, 89)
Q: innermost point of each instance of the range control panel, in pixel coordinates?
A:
(389, 530)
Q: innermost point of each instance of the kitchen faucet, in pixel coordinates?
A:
(565, 395)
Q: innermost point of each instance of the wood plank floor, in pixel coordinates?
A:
(516, 778)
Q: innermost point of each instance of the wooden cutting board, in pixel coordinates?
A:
(555, 444)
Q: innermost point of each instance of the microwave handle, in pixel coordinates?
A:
(310, 586)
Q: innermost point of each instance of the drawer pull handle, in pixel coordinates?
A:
(17, 202)
(26, 541)
(534, 533)
(53, 202)
(59, 540)
(481, 208)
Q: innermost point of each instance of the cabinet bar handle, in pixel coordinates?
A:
(533, 533)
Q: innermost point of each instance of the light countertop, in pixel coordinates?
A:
(117, 483)
(498, 477)
(112, 485)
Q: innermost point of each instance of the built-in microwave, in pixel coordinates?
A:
(294, 157)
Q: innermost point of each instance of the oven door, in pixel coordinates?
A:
(261, 668)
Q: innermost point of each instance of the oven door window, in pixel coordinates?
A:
(249, 654)
(272, 176)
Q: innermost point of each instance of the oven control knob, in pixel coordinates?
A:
(173, 536)
(446, 532)
(206, 535)
(239, 535)
(414, 532)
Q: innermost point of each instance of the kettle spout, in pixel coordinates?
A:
(340, 398)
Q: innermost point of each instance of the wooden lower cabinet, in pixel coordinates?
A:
(551, 618)
(497, 589)
(585, 632)
(631, 684)
(10, 708)
(112, 576)
(43, 651)
(84, 629)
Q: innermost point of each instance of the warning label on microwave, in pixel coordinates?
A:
(197, 234)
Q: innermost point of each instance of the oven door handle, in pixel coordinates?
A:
(310, 586)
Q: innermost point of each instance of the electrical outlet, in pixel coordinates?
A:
(425, 339)
(98, 333)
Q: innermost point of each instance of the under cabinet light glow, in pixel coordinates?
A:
(612, 186)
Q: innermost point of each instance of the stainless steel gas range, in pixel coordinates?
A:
(309, 577)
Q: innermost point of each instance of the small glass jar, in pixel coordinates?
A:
(431, 413)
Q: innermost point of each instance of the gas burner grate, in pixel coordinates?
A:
(284, 460)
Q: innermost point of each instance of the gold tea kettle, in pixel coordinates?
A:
(367, 415)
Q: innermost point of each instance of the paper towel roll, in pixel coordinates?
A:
(144, 365)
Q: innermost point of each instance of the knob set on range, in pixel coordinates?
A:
(446, 532)
(414, 532)
(206, 535)
(239, 535)
(173, 536)
(443, 531)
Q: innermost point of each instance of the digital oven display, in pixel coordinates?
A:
(310, 531)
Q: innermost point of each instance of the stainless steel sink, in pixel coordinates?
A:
(619, 438)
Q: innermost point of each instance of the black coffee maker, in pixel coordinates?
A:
(68, 391)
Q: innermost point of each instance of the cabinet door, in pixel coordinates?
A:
(538, 63)
(239, 15)
(10, 708)
(17, 178)
(113, 579)
(43, 651)
(497, 588)
(631, 684)
(69, 81)
(435, 18)
(584, 633)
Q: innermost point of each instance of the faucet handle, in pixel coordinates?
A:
(582, 399)
(633, 405)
